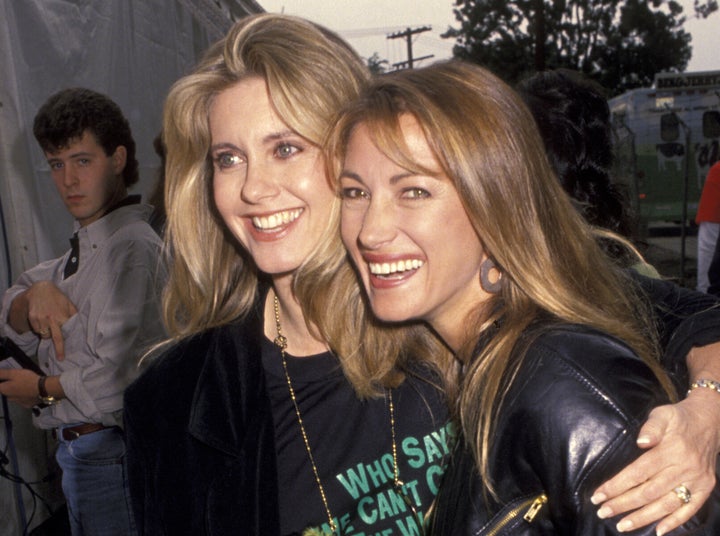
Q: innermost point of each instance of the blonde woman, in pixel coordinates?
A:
(247, 423)
(453, 217)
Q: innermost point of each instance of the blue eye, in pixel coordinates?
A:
(286, 150)
(226, 160)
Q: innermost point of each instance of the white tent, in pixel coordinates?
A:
(131, 50)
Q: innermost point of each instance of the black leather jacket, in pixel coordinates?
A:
(568, 423)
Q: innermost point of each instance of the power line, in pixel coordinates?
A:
(367, 32)
(407, 34)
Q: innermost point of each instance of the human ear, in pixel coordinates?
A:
(119, 158)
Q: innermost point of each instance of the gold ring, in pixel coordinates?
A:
(683, 493)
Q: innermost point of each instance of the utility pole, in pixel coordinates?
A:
(407, 34)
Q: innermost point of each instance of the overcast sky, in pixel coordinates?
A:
(366, 23)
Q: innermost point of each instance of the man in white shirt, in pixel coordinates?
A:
(90, 314)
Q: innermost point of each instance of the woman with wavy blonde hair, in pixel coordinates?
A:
(453, 216)
(252, 422)
(307, 89)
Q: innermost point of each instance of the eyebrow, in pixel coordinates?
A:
(74, 155)
(280, 135)
(223, 145)
(393, 180)
(350, 175)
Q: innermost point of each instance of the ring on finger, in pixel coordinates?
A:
(44, 332)
(683, 493)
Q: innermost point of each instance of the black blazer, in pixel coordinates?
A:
(201, 453)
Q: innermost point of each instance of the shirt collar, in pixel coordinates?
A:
(118, 216)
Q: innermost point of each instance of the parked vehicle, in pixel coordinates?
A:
(666, 139)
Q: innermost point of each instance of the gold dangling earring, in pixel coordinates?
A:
(485, 283)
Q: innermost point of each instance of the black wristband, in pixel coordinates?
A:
(41, 387)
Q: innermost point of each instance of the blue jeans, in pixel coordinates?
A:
(95, 484)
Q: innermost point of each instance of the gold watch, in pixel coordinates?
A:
(43, 395)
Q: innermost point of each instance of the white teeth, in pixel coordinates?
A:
(386, 268)
(276, 220)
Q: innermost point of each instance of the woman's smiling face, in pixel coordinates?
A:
(269, 183)
(408, 234)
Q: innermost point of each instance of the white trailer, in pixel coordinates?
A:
(666, 139)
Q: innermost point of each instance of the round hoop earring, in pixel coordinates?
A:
(485, 283)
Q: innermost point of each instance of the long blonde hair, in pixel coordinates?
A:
(552, 268)
(310, 73)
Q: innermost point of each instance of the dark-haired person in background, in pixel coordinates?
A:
(573, 116)
(91, 313)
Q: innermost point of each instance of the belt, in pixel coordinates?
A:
(73, 432)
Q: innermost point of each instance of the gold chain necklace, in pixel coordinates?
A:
(281, 342)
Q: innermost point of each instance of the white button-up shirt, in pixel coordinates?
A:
(116, 291)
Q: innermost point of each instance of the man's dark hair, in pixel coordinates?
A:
(70, 112)
(573, 116)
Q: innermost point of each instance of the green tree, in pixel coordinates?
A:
(376, 65)
(619, 43)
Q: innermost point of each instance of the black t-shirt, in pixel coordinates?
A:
(351, 443)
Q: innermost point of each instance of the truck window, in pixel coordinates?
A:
(711, 124)
(669, 127)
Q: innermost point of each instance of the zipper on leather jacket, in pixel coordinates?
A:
(529, 509)
(535, 507)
